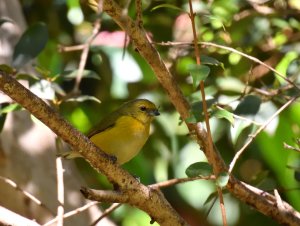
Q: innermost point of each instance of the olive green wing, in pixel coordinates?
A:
(105, 124)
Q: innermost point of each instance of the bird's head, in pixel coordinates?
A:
(141, 109)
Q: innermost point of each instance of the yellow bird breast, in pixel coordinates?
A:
(123, 140)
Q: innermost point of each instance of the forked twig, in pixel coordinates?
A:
(27, 194)
(106, 212)
(261, 128)
(73, 212)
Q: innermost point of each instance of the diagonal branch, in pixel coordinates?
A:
(149, 200)
(246, 193)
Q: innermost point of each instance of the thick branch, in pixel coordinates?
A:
(145, 48)
(245, 193)
(139, 195)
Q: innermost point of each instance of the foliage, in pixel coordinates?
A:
(241, 94)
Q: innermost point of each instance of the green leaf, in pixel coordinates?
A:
(248, 106)
(29, 77)
(211, 197)
(222, 113)
(222, 179)
(32, 42)
(210, 61)
(196, 113)
(45, 73)
(10, 108)
(199, 168)
(6, 68)
(198, 73)
(69, 75)
(84, 98)
(169, 6)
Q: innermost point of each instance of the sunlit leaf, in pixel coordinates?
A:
(69, 75)
(222, 113)
(169, 6)
(84, 98)
(248, 106)
(28, 77)
(6, 68)
(58, 89)
(199, 168)
(198, 73)
(32, 42)
(210, 61)
(45, 73)
(10, 108)
(222, 179)
(43, 89)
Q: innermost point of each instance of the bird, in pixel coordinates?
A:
(123, 132)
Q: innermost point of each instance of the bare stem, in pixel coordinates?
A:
(261, 128)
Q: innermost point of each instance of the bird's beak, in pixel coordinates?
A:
(153, 112)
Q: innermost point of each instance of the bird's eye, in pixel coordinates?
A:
(143, 108)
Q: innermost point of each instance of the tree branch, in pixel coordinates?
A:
(260, 200)
(138, 195)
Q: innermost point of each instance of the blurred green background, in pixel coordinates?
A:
(267, 30)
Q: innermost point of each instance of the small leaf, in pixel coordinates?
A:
(69, 75)
(45, 73)
(32, 42)
(196, 113)
(43, 89)
(211, 197)
(59, 90)
(170, 6)
(29, 77)
(222, 179)
(10, 108)
(199, 168)
(198, 73)
(222, 113)
(6, 68)
(248, 106)
(84, 98)
(210, 61)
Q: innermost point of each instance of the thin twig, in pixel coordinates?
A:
(73, 212)
(261, 128)
(222, 206)
(60, 192)
(70, 48)
(286, 146)
(175, 181)
(84, 55)
(106, 212)
(206, 115)
(234, 51)
(27, 194)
